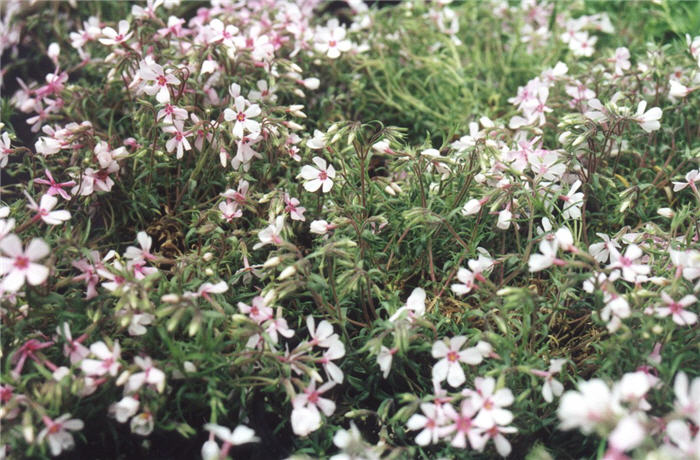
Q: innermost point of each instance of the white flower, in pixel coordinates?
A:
(677, 90)
(149, 376)
(331, 40)
(240, 435)
(19, 265)
(414, 307)
(573, 202)
(490, 403)
(321, 227)
(315, 178)
(586, 408)
(687, 401)
(125, 409)
(628, 434)
(648, 120)
(318, 141)
(112, 37)
(631, 269)
(271, 234)
(449, 366)
(142, 424)
(384, 359)
(305, 420)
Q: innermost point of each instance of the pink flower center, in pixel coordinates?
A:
(464, 424)
(675, 307)
(21, 262)
(161, 80)
(323, 175)
(332, 43)
(313, 397)
(119, 38)
(488, 404)
(240, 116)
(452, 356)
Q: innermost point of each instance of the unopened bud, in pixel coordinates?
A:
(389, 190)
(272, 262)
(207, 257)
(170, 298)
(666, 212)
(209, 272)
(287, 273)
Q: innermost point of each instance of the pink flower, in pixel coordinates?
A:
(150, 376)
(150, 71)
(179, 140)
(73, 347)
(552, 387)
(491, 402)
(108, 362)
(295, 211)
(463, 426)
(680, 315)
(631, 269)
(449, 366)
(55, 187)
(430, 424)
(19, 265)
(321, 176)
(144, 252)
(469, 278)
(57, 433)
(243, 118)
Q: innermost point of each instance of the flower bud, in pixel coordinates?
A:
(207, 257)
(209, 272)
(287, 272)
(665, 212)
(272, 262)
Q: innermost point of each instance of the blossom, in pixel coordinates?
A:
(573, 202)
(55, 187)
(414, 307)
(142, 424)
(239, 436)
(468, 277)
(331, 40)
(463, 426)
(551, 387)
(353, 446)
(108, 361)
(680, 315)
(318, 141)
(305, 416)
(112, 37)
(125, 408)
(648, 119)
(687, 399)
(495, 432)
(143, 253)
(295, 211)
(691, 178)
(429, 423)
(321, 227)
(150, 71)
(230, 210)
(57, 432)
(452, 355)
(384, 359)
(305, 420)
(491, 402)
(584, 409)
(179, 140)
(271, 234)
(321, 176)
(20, 264)
(149, 376)
(243, 117)
(73, 348)
(631, 269)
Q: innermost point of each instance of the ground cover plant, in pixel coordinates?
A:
(272, 229)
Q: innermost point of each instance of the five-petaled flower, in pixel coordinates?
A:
(320, 177)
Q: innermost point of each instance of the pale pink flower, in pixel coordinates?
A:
(691, 178)
(677, 309)
(384, 359)
(449, 367)
(112, 37)
(55, 187)
(430, 424)
(243, 117)
(321, 176)
(551, 387)
(271, 234)
(149, 71)
(592, 404)
(469, 277)
(20, 264)
(295, 211)
(108, 361)
(44, 210)
(627, 263)
(179, 140)
(496, 432)
(491, 402)
(687, 399)
(648, 119)
(463, 426)
(331, 40)
(258, 311)
(142, 253)
(150, 376)
(57, 433)
(230, 210)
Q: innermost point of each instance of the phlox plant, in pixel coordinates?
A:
(273, 229)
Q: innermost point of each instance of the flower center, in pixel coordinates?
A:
(332, 43)
(452, 356)
(21, 262)
(323, 175)
(161, 80)
(240, 116)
